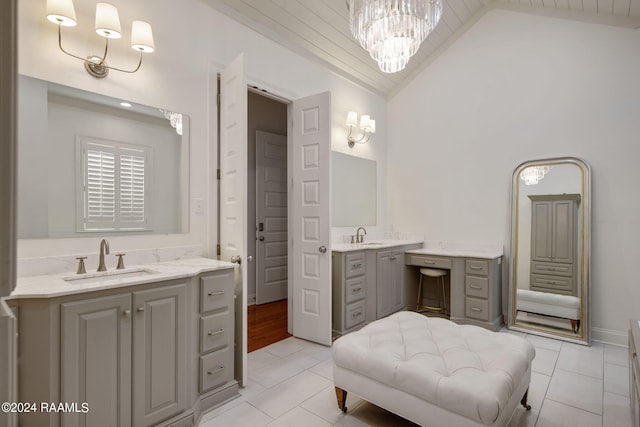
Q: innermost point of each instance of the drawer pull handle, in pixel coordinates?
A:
(426, 261)
(216, 333)
(355, 290)
(357, 314)
(358, 265)
(476, 309)
(392, 258)
(215, 294)
(215, 371)
(475, 287)
(473, 267)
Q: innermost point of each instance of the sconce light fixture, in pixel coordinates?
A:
(367, 125)
(63, 14)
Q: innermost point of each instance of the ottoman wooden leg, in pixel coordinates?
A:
(341, 395)
(523, 402)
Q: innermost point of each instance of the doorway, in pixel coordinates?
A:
(267, 275)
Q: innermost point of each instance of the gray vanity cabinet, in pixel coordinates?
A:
(349, 290)
(634, 372)
(554, 243)
(125, 355)
(390, 282)
(151, 354)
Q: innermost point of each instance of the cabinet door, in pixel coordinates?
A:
(389, 283)
(96, 360)
(563, 231)
(541, 231)
(159, 354)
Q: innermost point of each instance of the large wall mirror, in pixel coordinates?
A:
(550, 229)
(354, 190)
(91, 165)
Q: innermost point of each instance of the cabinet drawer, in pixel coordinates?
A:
(355, 289)
(477, 308)
(215, 369)
(215, 331)
(355, 264)
(216, 291)
(428, 261)
(552, 268)
(477, 267)
(354, 314)
(477, 286)
(556, 284)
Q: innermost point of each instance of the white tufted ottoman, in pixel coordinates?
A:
(433, 371)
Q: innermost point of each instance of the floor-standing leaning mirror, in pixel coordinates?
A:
(550, 230)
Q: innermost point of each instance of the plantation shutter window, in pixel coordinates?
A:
(114, 186)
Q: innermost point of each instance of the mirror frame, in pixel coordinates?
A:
(584, 266)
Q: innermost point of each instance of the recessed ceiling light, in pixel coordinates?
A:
(125, 104)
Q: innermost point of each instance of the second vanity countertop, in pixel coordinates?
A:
(55, 285)
(483, 253)
(373, 244)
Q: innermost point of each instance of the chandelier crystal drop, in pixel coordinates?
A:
(533, 174)
(392, 30)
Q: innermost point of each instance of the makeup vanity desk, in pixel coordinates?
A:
(475, 276)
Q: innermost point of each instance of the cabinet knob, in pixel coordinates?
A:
(126, 312)
(322, 249)
(140, 309)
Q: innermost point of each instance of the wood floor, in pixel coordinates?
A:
(267, 323)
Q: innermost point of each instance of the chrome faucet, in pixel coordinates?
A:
(359, 238)
(104, 249)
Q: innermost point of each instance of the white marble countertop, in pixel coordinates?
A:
(484, 253)
(55, 285)
(373, 244)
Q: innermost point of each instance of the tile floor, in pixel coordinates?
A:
(290, 384)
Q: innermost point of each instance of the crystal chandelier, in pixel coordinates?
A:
(533, 174)
(392, 30)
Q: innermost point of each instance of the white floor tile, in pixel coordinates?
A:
(299, 417)
(580, 391)
(368, 414)
(288, 394)
(616, 411)
(240, 416)
(616, 355)
(324, 369)
(544, 342)
(582, 362)
(556, 414)
(537, 390)
(545, 361)
(282, 369)
(288, 346)
(523, 418)
(325, 404)
(616, 379)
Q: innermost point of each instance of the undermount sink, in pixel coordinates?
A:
(108, 275)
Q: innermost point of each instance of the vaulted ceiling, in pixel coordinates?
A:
(320, 28)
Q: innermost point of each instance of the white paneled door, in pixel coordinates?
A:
(271, 217)
(233, 193)
(310, 247)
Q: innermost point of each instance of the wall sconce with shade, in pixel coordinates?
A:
(63, 14)
(367, 125)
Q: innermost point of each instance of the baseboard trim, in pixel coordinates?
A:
(608, 336)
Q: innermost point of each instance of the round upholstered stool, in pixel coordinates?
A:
(438, 275)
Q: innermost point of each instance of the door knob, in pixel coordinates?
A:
(249, 258)
(322, 249)
(236, 259)
(261, 238)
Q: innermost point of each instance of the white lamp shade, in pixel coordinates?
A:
(107, 21)
(142, 37)
(352, 118)
(61, 12)
(365, 121)
(372, 126)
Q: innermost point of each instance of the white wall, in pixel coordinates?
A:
(192, 41)
(519, 87)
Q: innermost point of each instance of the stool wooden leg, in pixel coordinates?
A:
(419, 303)
(341, 395)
